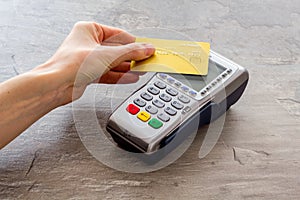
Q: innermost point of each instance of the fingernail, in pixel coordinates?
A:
(150, 49)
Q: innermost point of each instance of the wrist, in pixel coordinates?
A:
(53, 85)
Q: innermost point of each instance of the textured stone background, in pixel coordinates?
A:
(257, 156)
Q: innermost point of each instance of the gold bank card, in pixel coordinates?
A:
(175, 56)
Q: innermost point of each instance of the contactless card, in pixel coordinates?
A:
(175, 56)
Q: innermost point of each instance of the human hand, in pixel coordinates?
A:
(94, 53)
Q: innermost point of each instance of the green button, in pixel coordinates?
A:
(155, 123)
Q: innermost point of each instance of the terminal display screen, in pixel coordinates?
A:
(199, 82)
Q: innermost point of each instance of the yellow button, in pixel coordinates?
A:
(144, 116)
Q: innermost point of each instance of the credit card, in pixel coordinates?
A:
(175, 56)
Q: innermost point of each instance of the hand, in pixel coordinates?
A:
(94, 53)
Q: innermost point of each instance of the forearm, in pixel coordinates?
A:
(26, 98)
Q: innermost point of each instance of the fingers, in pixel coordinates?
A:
(103, 33)
(136, 51)
(110, 34)
(110, 44)
(133, 51)
(99, 59)
(120, 38)
(123, 67)
(113, 77)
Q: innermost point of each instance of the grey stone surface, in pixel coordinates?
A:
(257, 156)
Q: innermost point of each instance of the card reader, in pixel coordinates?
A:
(162, 110)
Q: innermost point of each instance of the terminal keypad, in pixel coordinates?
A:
(158, 104)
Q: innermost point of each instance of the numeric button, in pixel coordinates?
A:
(158, 103)
(139, 102)
(165, 97)
(146, 96)
(184, 99)
(160, 85)
(153, 90)
(177, 105)
(172, 92)
(171, 111)
(163, 117)
(151, 109)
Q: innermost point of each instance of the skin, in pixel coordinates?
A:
(91, 53)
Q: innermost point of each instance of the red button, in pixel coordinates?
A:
(132, 109)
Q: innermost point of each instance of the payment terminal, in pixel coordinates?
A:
(162, 110)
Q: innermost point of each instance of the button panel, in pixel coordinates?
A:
(160, 104)
(190, 92)
(177, 84)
